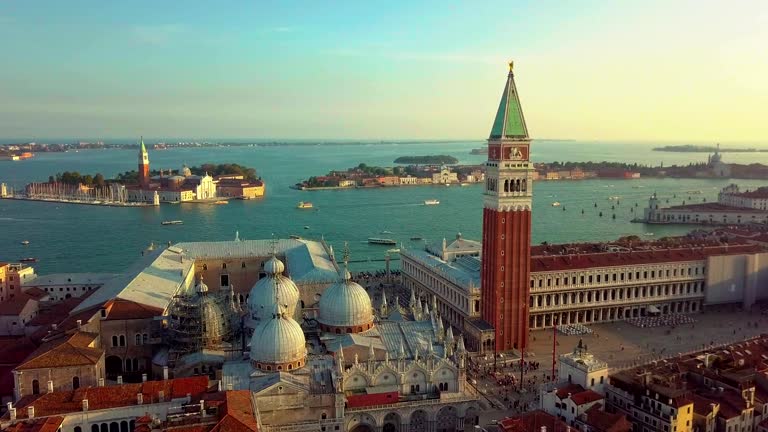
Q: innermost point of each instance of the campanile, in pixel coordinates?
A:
(506, 253)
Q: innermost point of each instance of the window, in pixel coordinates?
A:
(122, 340)
(114, 341)
(225, 280)
(138, 339)
(75, 383)
(144, 339)
(224, 266)
(35, 387)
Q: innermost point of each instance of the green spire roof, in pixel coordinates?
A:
(143, 148)
(509, 121)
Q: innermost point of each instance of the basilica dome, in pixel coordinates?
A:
(345, 307)
(273, 286)
(278, 343)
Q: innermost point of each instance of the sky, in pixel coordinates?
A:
(652, 70)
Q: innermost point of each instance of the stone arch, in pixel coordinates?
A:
(445, 375)
(471, 418)
(385, 376)
(391, 422)
(356, 381)
(362, 422)
(418, 421)
(446, 419)
(415, 381)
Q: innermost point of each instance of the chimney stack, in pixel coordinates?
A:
(139, 399)
(543, 429)
(165, 372)
(161, 396)
(143, 377)
(101, 382)
(54, 326)
(202, 407)
(119, 379)
(12, 413)
(85, 404)
(79, 324)
(31, 411)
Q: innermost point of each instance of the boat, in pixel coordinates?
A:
(295, 237)
(613, 198)
(25, 242)
(381, 241)
(220, 202)
(172, 222)
(304, 205)
(386, 232)
(556, 204)
(649, 234)
(431, 202)
(306, 226)
(464, 184)
(415, 238)
(29, 259)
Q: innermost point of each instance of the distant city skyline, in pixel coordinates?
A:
(639, 71)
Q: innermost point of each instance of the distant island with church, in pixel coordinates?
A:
(214, 183)
(430, 160)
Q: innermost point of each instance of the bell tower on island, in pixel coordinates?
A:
(143, 165)
(506, 250)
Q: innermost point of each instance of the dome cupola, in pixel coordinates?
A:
(278, 343)
(274, 285)
(345, 306)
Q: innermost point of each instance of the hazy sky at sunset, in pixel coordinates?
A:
(634, 70)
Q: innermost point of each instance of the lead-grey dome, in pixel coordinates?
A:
(278, 343)
(266, 290)
(347, 305)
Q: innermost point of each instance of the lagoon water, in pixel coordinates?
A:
(78, 238)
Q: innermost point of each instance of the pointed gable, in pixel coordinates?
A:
(509, 121)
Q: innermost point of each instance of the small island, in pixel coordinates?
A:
(427, 160)
(690, 148)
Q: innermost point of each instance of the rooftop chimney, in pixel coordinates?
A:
(50, 386)
(54, 326)
(85, 404)
(120, 379)
(12, 413)
(165, 372)
(139, 399)
(543, 429)
(229, 387)
(79, 324)
(189, 398)
(143, 377)
(31, 411)
(202, 407)
(101, 382)
(161, 396)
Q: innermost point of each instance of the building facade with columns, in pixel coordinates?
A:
(578, 284)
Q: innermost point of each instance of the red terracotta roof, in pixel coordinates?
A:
(586, 397)
(63, 402)
(57, 313)
(14, 350)
(532, 422)
(35, 293)
(120, 309)
(543, 263)
(238, 414)
(47, 424)
(362, 400)
(601, 421)
(16, 305)
(571, 389)
(72, 350)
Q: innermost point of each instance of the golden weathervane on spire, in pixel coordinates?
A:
(511, 65)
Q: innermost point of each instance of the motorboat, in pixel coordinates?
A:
(556, 204)
(431, 202)
(304, 205)
(381, 241)
(28, 259)
(25, 242)
(172, 222)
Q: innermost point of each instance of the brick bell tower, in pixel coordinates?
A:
(506, 253)
(143, 165)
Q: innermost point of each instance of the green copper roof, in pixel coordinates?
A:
(509, 121)
(143, 148)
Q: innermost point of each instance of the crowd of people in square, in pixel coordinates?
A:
(671, 320)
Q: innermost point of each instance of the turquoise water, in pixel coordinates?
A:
(86, 238)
